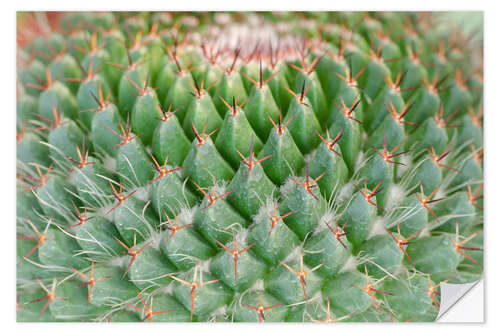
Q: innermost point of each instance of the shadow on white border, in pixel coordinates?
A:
(462, 303)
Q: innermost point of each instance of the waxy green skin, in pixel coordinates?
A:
(207, 298)
(236, 135)
(455, 209)
(427, 136)
(415, 74)
(334, 168)
(281, 96)
(26, 108)
(106, 120)
(325, 248)
(145, 115)
(169, 194)
(426, 105)
(344, 298)
(148, 269)
(372, 79)
(476, 242)
(98, 235)
(179, 95)
(271, 243)
(411, 216)
(75, 304)
(306, 209)
(114, 286)
(28, 207)
(157, 57)
(133, 164)
(386, 255)
(165, 133)
(286, 158)
(248, 267)
(249, 188)
(33, 312)
(127, 93)
(133, 216)
(47, 44)
(286, 286)
(472, 132)
(229, 86)
(251, 70)
(304, 125)
(244, 314)
(218, 221)
(359, 215)
(392, 130)
(324, 69)
(31, 148)
(60, 97)
(55, 252)
(27, 75)
(350, 144)
(65, 66)
(261, 106)
(201, 112)
(454, 98)
(390, 51)
(314, 94)
(204, 163)
(469, 171)
(92, 182)
(78, 39)
(434, 255)
(376, 170)
(258, 207)
(164, 80)
(411, 299)
(185, 243)
(426, 177)
(114, 46)
(56, 199)
(99, 59)
(163, 302)
(63, 140)
(85, 100)
(25, 269)
(375, 115)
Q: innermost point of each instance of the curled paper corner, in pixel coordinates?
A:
(462, 302)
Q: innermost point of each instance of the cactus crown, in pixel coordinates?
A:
(215, 166)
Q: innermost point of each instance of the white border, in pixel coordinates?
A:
(469, 308)
(7, 165)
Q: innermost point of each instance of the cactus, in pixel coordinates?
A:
(246, 166)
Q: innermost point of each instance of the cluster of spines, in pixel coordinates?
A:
(282, 144)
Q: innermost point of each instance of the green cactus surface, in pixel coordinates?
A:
(246, 167)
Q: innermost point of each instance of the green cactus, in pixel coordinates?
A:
(245, 167)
